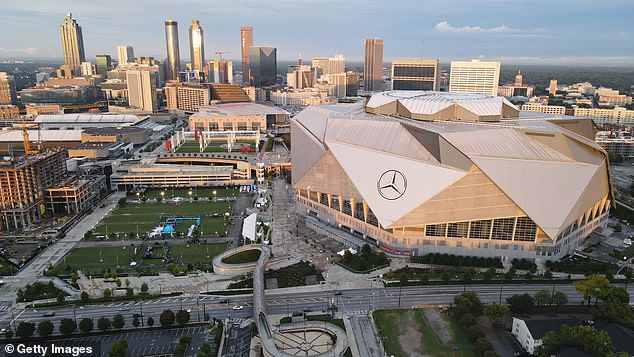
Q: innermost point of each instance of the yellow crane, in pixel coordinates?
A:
(27, 144)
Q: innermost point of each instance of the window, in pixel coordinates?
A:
(458, 230)
(242, 125)
(372, 219)
(346, 208)
(313, 196)
(227, 126)
(480, 229)
(435, 230)
(503, 228)
(255, 125)
(323, 199)
(334, 203)
(525, 229)
(358, 211)
(213, 126)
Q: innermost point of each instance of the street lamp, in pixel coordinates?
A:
(214, 195)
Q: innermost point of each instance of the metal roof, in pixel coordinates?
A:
(43, 135)
(237, 109)
(89, 118)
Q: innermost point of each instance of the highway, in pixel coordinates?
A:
(358, 301)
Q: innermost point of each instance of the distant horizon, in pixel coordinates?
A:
(519, 32)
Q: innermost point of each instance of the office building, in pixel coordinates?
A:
(72, 44)
(196, 46)
(601, 116)
(352, 84)
(173, 63)
(236, 116)
(338, 80)
(75, 194)
(475, 76)
(66, 95)
(373, 64)
(329, 65)
(7, 89)
(300, 97)
(263, 65)
(300, 76)
(220, 72)
(22, 184)
(552, 88)
(8, 111)
(246, 41)
(544, 108)
(33, 110)
(125, 54)
(142, 88)
(88, 69)
(103, 64)
(415, 75)
(496, 186)
(187, 96)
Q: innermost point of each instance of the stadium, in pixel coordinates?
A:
(429, 172)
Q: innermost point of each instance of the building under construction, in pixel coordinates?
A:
(23, 181)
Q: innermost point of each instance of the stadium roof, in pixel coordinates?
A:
(90, 118)
(237, 109)
(540, 169)
(42, 135)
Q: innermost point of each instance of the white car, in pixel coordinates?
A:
(238, 307)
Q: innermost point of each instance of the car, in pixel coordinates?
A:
(189, 310)
(223, 301)
(338, 293)
(49, 314)
(238, 307)
(307, 310)
(124, 309)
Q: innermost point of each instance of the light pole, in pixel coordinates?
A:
(501, 286)
(141, 306)
(74, 316)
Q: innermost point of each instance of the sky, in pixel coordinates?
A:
(559, 32)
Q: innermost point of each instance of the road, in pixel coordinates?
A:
(364, 335)
(52, 254)
(358, 301)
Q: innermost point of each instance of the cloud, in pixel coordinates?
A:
(28, 51)
(444, 26)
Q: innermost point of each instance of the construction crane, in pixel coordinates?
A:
(27, 144)
(221, 73)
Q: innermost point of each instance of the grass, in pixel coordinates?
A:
(184, 192)
(214, 146)
(247, 256)
(293, 275)
(124, 220)
(87, 259)
(327, 318)
(393, 323)
(365, 262)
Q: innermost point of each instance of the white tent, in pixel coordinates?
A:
(352, 251)
(249, 227)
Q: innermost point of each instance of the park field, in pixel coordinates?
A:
(145, 216)
(94, 260)
(208, 192)
(215, 146)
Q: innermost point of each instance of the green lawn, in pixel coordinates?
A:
(214, 146)
(88, 259)
(124, 220)
(247, 256)
(393, 323)
(184, 192)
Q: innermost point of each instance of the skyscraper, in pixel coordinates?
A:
(103, 64)
(125, 54)
(7, 89)
(474, 76)
(72, 44)
(196, 46)
(330, 65)
(373, 64)
(173, 64)
(142, 88)
(246, 41)
(263, 65)
(415, 74)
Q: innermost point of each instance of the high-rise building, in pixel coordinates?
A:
(415, 75)
(373, 64)
(142, 88)
(552, 89)
(187, 96)
(173, 62)
(475, 76)
(352, 84)
(246, 41)
(7, 89)
(220, 73)
(72, 44)
(125, 54)
(103, 64)
(88, 69)
(263, 65)
(300, 76)
(196, 46)
(339, 82)
(329, 65)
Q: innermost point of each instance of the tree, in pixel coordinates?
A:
(84, 296)
(118, 282)
(67, 327)
(114, 274)
(548, 274)
(403, 278)
(559, 299)
(182, 317)
(118, 321)
(86, 325)
(150, 321)
(107, 293)
(205, 349)
(106, 275)
(467, 302)
(167, 318)
(129, 292)
(520, 303)
(61, 297)
(591, 286)
(118, 349)
(542, 297)
(496, 312)
(25, 329)
(136, 322)
(347, 256)
(618, 228)
(482, 344)
(366, 249)
(45, 328)
(127, 283)
(144, 288)
(8, 334)
(489, 274)
(510, 274)
(74, 277)
(613, 293)
(104, 324)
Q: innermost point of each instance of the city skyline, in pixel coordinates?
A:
(449, 33)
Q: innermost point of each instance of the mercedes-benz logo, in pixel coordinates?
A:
(391, 184)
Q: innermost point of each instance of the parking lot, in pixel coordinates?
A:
(150, 342)
(239, 340)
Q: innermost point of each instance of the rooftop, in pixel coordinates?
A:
(124, 119)
(41, 135)
(237, 109)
